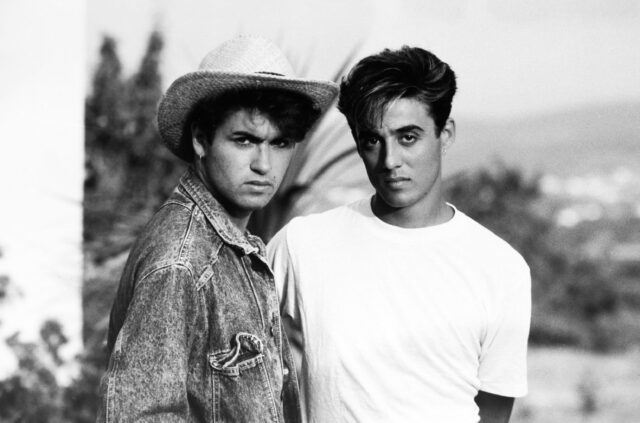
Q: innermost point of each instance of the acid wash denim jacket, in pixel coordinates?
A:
(195, 334)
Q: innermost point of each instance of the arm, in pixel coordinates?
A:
(494, 408)
(503, 355)
(147, 375)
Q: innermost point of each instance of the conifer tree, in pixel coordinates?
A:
(145, 153)
(103, 107)
(103, 139)
(144, 94)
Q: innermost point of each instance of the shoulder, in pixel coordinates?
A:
(312, 231)
(177, 236)
(326, 222)
(489, 246)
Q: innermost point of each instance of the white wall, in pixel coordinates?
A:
(42, 73)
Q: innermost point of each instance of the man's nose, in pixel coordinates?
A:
(391, 155)
(261, 162)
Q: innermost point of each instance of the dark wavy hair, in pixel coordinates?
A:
(410, 72)
(291, 112)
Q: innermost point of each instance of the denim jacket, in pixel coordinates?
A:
(195, 334)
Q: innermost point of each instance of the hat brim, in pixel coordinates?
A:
(189, 89)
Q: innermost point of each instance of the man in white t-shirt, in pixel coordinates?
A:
(408, 310)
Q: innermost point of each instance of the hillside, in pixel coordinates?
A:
(569, 143)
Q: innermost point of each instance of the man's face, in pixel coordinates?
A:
(245, 162)
(403, 156)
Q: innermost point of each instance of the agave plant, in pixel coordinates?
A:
(325, 172)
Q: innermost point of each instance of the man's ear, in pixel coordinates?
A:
(198, 138)
(447, 135)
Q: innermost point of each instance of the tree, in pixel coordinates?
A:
(32, 394)
(4, 283)
(571, 295)
(123, 149)
(133, 174)
(103, 132)
(145, 153)
(143, 94)
(104, 106)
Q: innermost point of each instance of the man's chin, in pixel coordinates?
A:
(256, 203)
(393, 200)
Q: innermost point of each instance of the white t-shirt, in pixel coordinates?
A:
(402, 325)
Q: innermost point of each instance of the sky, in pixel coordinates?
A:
(513, 58)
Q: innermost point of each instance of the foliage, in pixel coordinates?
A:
(32, 394)
(122, 150)
(4, 283)
(81, 398)
(576, 299)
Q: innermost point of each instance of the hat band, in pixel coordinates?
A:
(270, 73)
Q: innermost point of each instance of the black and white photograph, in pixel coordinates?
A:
(320, 211)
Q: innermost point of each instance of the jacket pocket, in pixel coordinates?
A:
(242, 389)
(246, 353)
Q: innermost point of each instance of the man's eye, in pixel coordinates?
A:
(242, 140)
(368, 141)
(409, 138)
(283, 143)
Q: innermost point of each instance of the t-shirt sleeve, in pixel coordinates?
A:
(503, 359)
(281, 261)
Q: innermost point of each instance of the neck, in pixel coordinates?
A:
(433, 213)
(240, 220)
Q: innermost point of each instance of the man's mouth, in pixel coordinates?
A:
(260, 184)
(395, 179)
(395, 182)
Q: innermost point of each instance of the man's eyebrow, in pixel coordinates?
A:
(367, 133)
(250, 136)
(409, 128)
(402, 129)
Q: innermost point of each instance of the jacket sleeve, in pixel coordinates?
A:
(147, 375)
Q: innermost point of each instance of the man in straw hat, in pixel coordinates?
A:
(410, 311)
(195, 333)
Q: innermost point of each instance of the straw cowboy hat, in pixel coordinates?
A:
(240, 63)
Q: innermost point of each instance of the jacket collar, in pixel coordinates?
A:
(218, 216)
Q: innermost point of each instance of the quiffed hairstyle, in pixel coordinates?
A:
(291, 112)
(410, 72)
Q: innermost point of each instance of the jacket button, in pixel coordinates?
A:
(285, 371)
